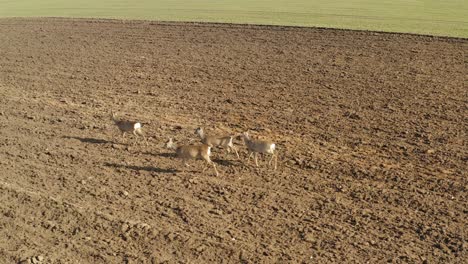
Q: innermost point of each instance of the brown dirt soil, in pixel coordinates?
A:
(370, 127)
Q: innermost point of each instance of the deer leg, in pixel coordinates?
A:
(214, 167)
(276, 161)
(123, 137)
(250, 155)
(210, 162)
(235, 150)
(205, 166)
(216, 171)
(256, 158)
(139, 132)
(272, 156)
(185, 164)
(136, 138)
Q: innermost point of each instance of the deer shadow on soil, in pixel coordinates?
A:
(139, 168)
(223, 162)
(91, 140)
(162, 154)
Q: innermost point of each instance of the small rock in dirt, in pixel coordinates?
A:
(216, 212)
(298, 161)
(200, 248)
(124, 193)
(153, 232)
(37, 259)
(193, 180)
(124, 228)
(430, 151)
(309, 237)
(116, 146)
(446, 171)
(171, 236)
(443, 247)
(352, 115)
(143, 226)
(465, 245)
(33, 260)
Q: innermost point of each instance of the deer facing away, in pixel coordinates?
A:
(260, 146)
(189, 152)
(216, 141)
(126, 126)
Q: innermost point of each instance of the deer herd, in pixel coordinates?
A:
(203, 150)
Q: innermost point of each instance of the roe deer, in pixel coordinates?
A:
(260, 146)
(188, 152)
(216, 141)
(126, 126)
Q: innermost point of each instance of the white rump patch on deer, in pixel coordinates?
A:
(260, 146)
(272, 148)
(127, 126)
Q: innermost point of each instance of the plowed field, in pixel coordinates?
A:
(370, 129)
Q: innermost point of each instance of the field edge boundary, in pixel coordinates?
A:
(236, 25)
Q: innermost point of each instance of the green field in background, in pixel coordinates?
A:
(434, 17)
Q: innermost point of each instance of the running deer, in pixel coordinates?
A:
(260, 146)
(216, 141)
(189, 152)
(126, 126)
